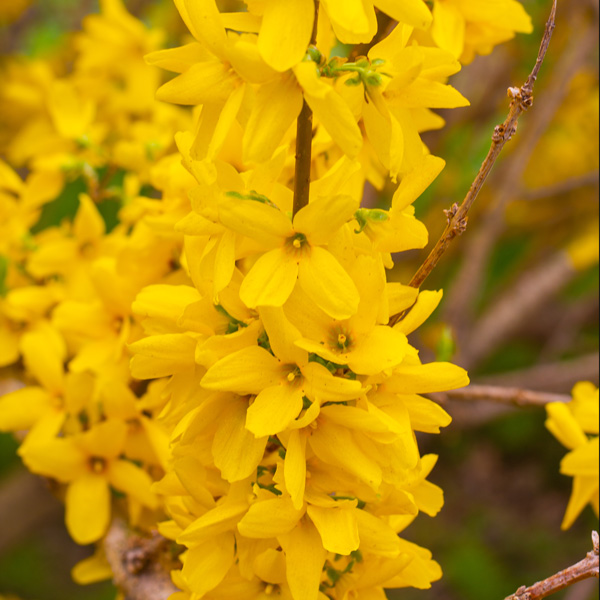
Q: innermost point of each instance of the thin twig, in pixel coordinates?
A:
(304, 135)
(514, 306)
(584, 569)
(521, 100)
(505, 395)
(558, 376)
(468, 283)
(136, 563)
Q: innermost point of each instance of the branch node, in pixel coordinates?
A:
(451, 212)
(596, 542)
(498, 135)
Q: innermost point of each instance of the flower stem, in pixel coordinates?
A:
(304, 136)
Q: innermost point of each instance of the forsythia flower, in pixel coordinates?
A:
(469, 27)
(570, 423)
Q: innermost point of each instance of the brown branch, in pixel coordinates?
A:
(304, 135)
(557, 376)
(505, 395)
(584, 569)
(521, 100)
(385, 24)
(137, 563)
(467, 284)
(514, 306)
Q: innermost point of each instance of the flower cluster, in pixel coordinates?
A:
(267, 418)
(574, 425)
(95, 148)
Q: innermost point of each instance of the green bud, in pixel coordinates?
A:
(373, 78)
(353, 82)
(314, 55)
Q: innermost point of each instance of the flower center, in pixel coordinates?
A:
(297, 244)
(340, 339)
(97, 465)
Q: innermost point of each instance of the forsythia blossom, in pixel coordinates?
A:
(575, 425)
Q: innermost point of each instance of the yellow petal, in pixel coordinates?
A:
(295, 467)
(582, 460)
(285, 32)
(382, 349)
(162, 355)
(88, 508)
(411, 12)
(336, 446)
(426, 303)
(166, 302)
(43, 353)
(352, 20)
(304, 557)
(57, 458)
(212, 523)
(563, 425)
(415, 182)
(179, 59)
(206, 564)
(321, 218)
(327, 284)
(88, 225)
(276, 107)
(20, 409)
(338, 528)
(330, 109)
(204, 22)
(255, 220)
(247, 371)
(271, 280)
(103, 439)
(91, 570)
(127, 477)
(585, 489)
(376, 535)
(235, 450)
(273, 410)
(448, 29)
(202, 83)
(269, 518)
(423, 379)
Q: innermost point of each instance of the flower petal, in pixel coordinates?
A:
(273, 410)
(270, 280)
(338, 528)
(285, 32)
(235, 450)
(327, 284)
(88, 508)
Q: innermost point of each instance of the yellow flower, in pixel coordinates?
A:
(295, 253)
(469, 27)
(280, 380)
(89, 462)
(570, 423)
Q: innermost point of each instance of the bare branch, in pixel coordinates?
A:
(521, 100)
(138, 570)
(557, 376)
(584, 569)
(514, 306)
(304, 135)
(504, 395)
(467, 284)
